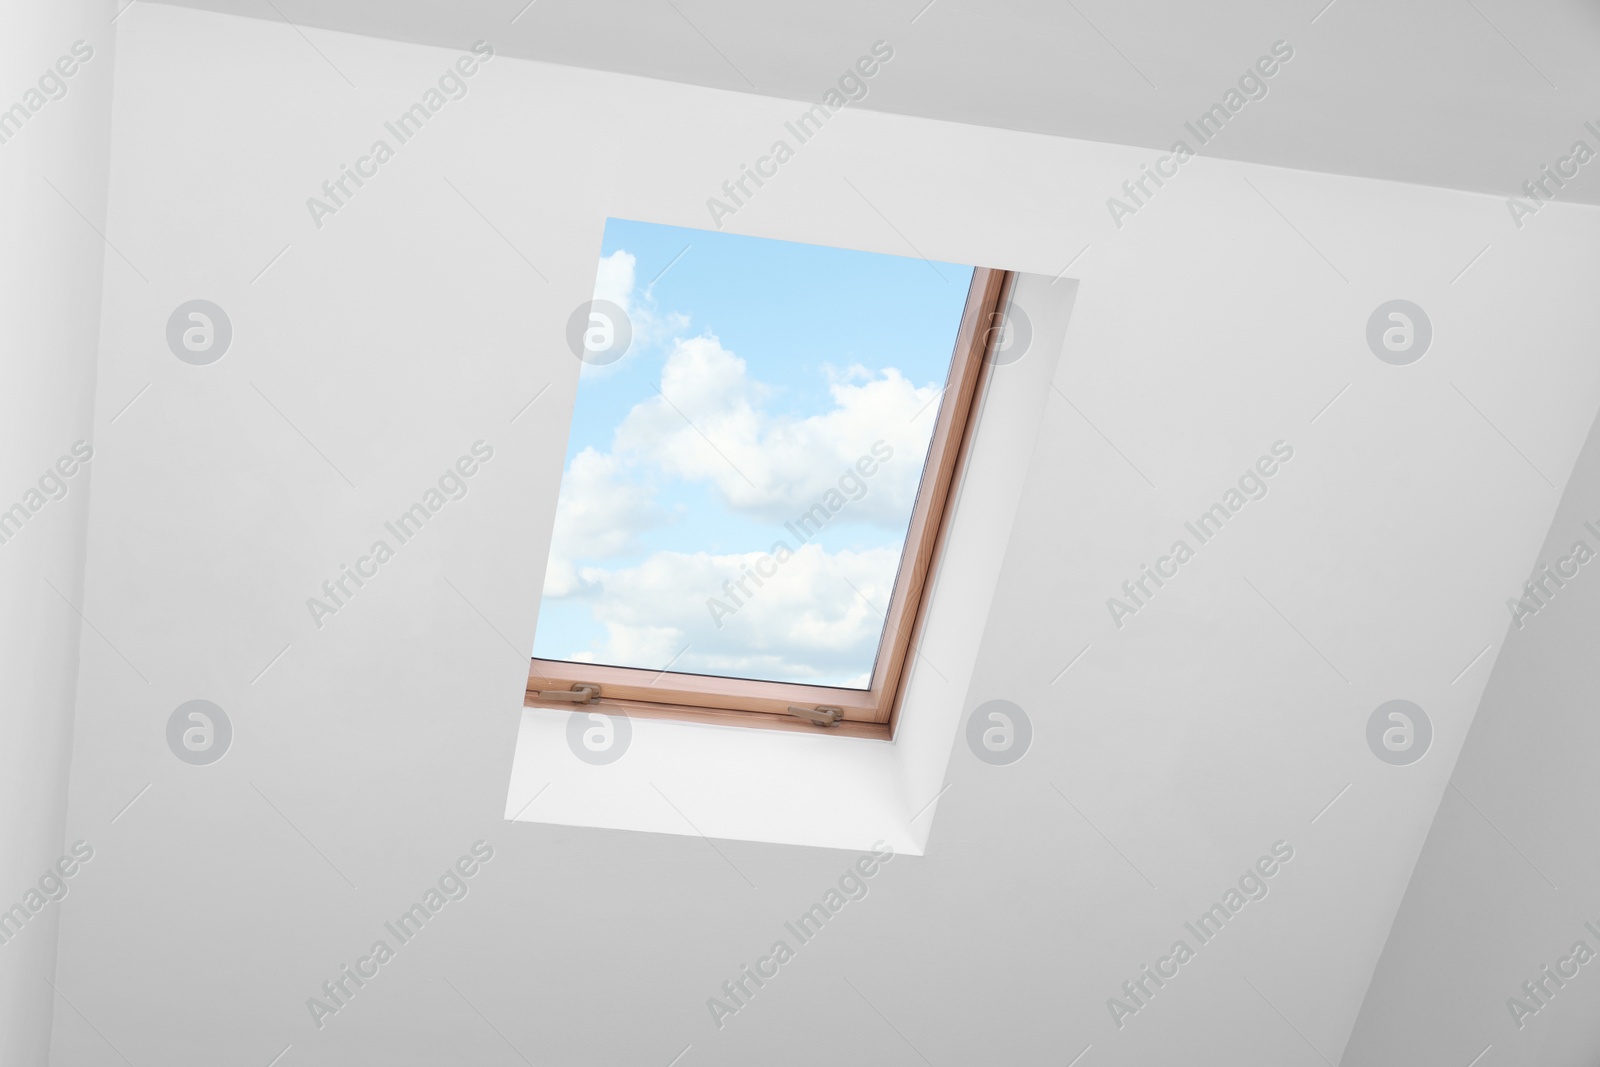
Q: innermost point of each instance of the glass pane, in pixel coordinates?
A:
(740, 478)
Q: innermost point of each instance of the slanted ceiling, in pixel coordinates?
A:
(1172, 750)
(1472, 95)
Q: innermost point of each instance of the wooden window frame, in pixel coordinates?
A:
(872, 713)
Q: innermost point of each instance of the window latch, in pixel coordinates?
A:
(578, 694)
(819, 716)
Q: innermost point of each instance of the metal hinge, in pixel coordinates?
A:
(819, 716)
(578, 694)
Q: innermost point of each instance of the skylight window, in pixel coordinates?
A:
(760, 453)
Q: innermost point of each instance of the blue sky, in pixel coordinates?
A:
(792, 360)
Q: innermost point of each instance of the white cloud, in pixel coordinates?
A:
(805, 622)
(599, 516)
(709, 426)
(809, 620)
(616, 280)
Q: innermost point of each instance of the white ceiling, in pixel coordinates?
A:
(1465, 94)
(1168, 754)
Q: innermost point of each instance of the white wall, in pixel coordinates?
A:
(1221, 318)
(1507, 879)
(51, 169)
